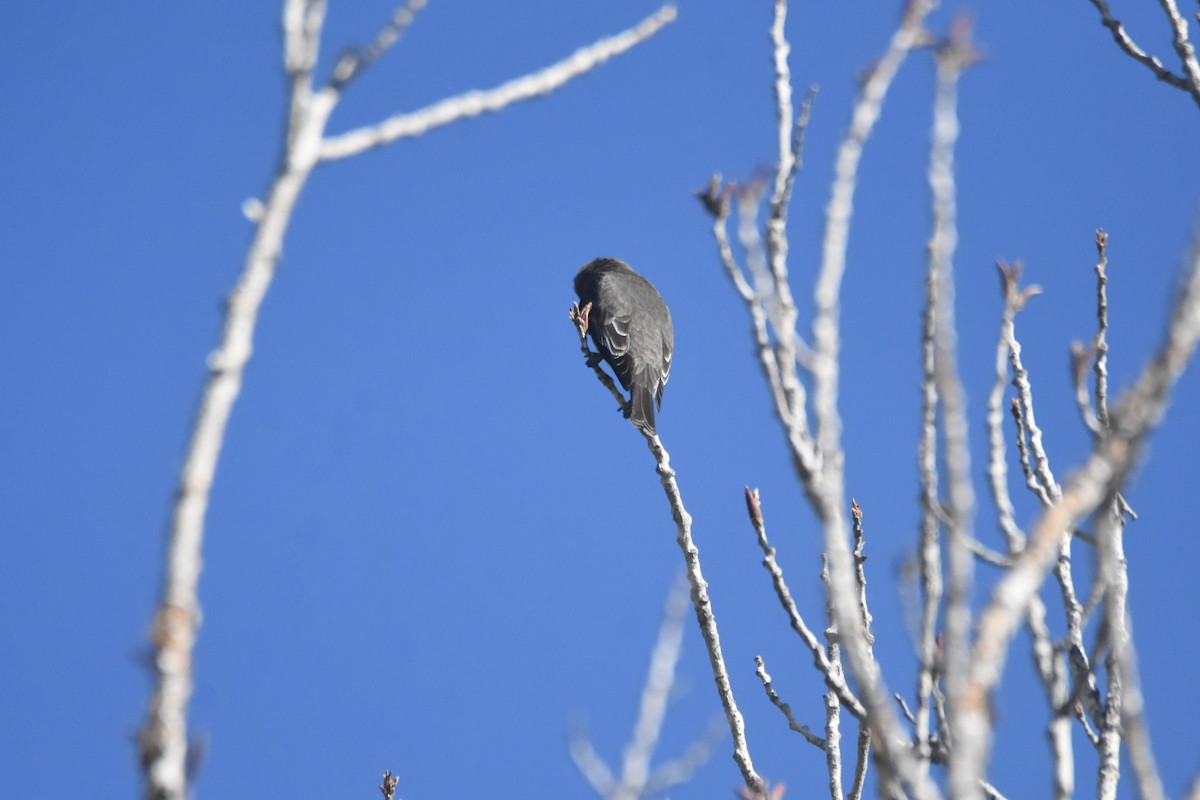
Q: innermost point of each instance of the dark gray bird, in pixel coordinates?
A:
(631, 327)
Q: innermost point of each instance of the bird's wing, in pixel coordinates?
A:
(615, 334)
(614, 340)
(668, 348)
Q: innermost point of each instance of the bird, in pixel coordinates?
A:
(631, 327)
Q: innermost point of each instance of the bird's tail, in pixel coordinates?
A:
(641, 413)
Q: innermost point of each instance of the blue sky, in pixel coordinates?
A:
(432, 543)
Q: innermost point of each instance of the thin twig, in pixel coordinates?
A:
(472, 104)
(680, 770)
(1183, 47)
(861, 762)
(833, 711)
(354, 62)
(699, 587)
(704, 613)
(1127, 44)
(860, 573)
(652, 710)
(997, 463)
(784, 708)
(1100, 343)
(716, 199)
(637, 780)
(834, 678)
(589, 763)
(1031, 479)
(790, 144)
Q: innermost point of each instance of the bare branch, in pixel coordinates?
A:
(388, 787)
(355, 62)
(1111, 557)
(635, 765)
(1131, 49)
(833, 711)
(1100, 343)
(472, 104)
(833, 676)
(1137, 733)
(1193, 792)
(1031, 479)
(860, 573)
(997, 463)
(929, 546)
(861, 761)
(837, 221)
(163, 739)
(1103, 473)
(716, 199)
(589, 763)
(826, 490)
(680, 770)
(952, 58)
(790, 145)
(1183, 47)
(700, 599)
(704, 613)
(803, 730)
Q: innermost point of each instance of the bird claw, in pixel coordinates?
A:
(580, 316)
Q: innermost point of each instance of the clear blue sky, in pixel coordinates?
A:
(432, 542)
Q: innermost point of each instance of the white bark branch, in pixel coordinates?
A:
(472, 104)
(1101, 475)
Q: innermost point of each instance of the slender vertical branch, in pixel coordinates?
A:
(1100, 343)
(652, 710)
(838, 212)
(790, 143)
(1049, 663)
(827, 491)
(1111, 558)
(701, 601)
(833, 711)
(1137, 734)
(704, 614)
(862, 759)
(952, 59)
(929, 545)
